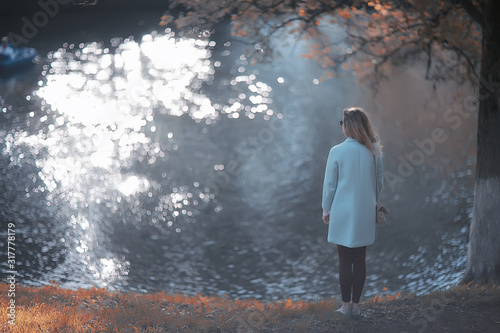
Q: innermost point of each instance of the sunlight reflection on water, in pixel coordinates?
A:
(97, 104)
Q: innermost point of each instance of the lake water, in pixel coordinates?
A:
(144, 161)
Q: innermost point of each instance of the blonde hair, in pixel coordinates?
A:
(357, 125)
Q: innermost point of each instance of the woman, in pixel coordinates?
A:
(349, 199)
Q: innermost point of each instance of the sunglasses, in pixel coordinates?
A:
(341, 122)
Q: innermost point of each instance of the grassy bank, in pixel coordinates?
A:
(53, 309)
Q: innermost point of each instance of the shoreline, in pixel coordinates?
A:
(462, 308)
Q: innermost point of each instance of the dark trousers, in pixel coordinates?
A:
(352, 272)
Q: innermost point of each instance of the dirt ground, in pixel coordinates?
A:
(53, 309)
(440, 312)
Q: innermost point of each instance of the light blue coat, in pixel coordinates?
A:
(349, 193)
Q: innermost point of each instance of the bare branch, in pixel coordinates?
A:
(429, 60)
(472, 10)
(466, 57)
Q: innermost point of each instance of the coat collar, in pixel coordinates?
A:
(349, 139)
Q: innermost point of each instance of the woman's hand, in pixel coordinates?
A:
(326, 219)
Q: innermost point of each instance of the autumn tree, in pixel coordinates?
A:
(458, 39)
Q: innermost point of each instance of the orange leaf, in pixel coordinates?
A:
(344, 14)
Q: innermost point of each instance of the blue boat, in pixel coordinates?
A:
(22, 56)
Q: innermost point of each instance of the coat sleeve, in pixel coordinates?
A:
(380, 174)
(330, 182)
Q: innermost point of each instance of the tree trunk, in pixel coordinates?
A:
(483, 262)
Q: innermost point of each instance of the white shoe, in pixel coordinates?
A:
(345, 309)
(355, 309)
